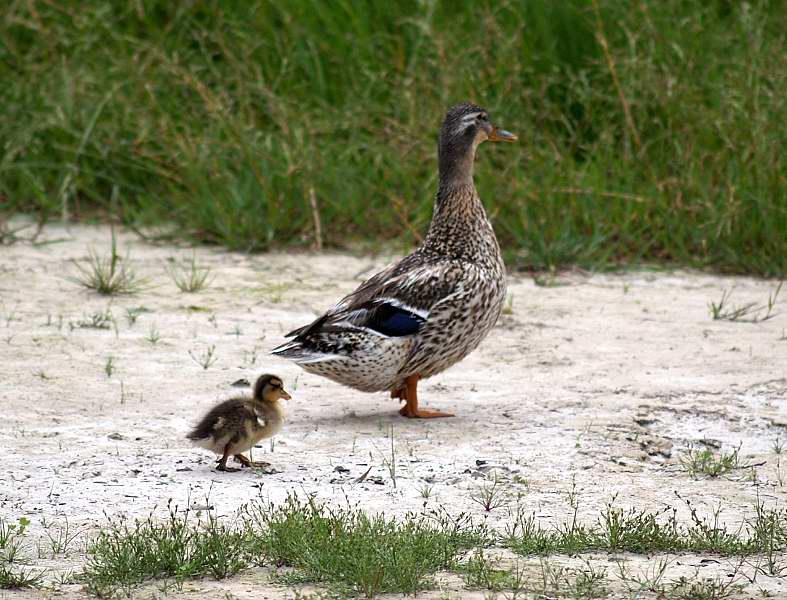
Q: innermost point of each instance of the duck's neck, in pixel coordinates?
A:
(456, 165)
(459, 227)
(457, 199)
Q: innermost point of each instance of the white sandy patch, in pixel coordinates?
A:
(604, 380)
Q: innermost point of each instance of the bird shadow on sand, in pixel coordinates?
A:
(384, 417)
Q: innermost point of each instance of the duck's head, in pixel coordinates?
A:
(270, 388)
(465, 126)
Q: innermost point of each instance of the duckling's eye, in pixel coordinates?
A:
(483, 117)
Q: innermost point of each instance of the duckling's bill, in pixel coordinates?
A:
(279, 386)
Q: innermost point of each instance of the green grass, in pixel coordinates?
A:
(751, 312)
(347, 552)
(342, 548)
(480, 572)
(14, 578)
(648, 532)
(190, 278)
(703, 589)
(361, 553)
(108, 275)
(100, 319)
(553, 581)
(703, 461)
(12, 556)
(222, 117)
(182, 546)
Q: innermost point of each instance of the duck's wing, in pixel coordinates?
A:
(222, 417)
(396, 302)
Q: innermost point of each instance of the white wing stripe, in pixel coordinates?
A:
(424, 314)
(307, 359)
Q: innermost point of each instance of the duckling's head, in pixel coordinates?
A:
(270, 388)
(465, 126)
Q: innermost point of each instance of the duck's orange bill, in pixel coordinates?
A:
(501, 135)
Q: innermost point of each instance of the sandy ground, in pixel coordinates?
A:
(600, 382)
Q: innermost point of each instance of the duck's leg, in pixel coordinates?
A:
(222, 462)
(410, 409)
(250, 463)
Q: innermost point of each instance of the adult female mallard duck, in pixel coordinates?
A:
(427, 312)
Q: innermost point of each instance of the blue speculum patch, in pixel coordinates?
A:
(393, 321)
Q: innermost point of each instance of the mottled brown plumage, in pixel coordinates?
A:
(237, 424)
(431, 309)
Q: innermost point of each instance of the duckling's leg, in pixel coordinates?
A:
(410, 409)
(222, 466)
(250, 463)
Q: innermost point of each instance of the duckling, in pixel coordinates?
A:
(237, 424)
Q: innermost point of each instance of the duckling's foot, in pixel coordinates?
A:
(222, 465)
(410, 409)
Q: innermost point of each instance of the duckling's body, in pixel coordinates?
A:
(431, 309)
(238, 424)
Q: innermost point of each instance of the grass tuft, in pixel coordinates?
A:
(489, 495)
(96, 320)
(703, 589)
(133, 313)
(184, 545)
(647, 532)
(154, 335)
(107, 275)
(192, 278)
(751, 312)
(12, 538)
(703, 461)
(204, 359)
(19, 578)
(362, 553)
(479, 572)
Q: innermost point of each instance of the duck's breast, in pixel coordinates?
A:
(458, 323)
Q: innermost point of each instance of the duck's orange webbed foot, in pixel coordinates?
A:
(409, 394)
(422, 413)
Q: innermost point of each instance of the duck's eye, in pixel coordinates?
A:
(483, 117)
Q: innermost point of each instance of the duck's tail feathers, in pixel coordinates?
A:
(298, 353)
